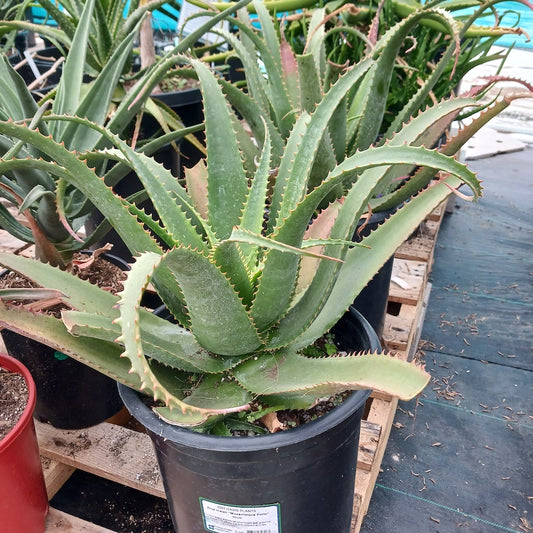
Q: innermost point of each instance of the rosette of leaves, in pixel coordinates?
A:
(111, 22)
(250, 270)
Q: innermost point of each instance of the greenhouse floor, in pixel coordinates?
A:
(461, 457)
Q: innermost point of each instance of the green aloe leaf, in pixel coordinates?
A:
(227, 184)
(85, 179)
(81, 294)
(303, 144)
(301, 380)
(94, 105)
(215, 396)
(248, 108)
(375, 97)
(155, 378)
(100, 355)
(68, 92)
(220, 323)
(382, 242)
(167, 343)
(17, 101)
(228, 256)
(303, 313)
(9, 223)
(239, 235)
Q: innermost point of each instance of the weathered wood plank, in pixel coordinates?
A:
(112, 452)
(407, 281)
(382, 413)
(397, 329)
(368, 444)
(55, 475)
(60, 522)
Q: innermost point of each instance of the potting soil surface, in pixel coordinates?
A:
(460, 457)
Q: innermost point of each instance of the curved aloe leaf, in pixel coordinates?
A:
(167, 343)
(100, 355)
(67, 97)
(81, 294)
(372, 102)
(213, 396)
(84, 178)
(225, 196)
(156, 379)
(302, 315)
(299, 380)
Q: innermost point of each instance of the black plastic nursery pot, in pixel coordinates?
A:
(23, 499)
(372, 300)
(188, 105)
(293, 481)
(70, 395)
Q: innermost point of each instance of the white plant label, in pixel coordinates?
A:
(222, 518)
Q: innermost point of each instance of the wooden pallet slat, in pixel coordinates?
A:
(55, 475)
(106, 450)
(407, 281)
(60, 522)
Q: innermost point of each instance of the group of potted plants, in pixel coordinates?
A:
(250, 251)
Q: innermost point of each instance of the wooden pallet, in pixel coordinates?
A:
(126, 456)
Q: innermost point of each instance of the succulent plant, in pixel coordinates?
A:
(250, 267)
(286, 83)
(54, 210)
(111, 23)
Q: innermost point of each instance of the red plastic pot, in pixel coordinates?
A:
(23, 499)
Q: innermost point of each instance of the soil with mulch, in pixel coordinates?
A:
(14, 396)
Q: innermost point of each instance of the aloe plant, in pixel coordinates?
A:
(55, 210)
(111, 23)
(252, 254)
(287, 84)
(361, 13)
(350, 31)
(245, 268)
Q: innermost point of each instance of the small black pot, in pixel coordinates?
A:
(188, 105)
(70, 395)
(292, 481)
(372, 300)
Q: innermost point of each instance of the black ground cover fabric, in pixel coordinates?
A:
(461, 458)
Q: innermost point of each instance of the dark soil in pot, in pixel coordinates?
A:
(14, 395)
(290, 481)
(70, 395)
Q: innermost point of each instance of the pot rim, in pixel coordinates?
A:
(205, 441)
(9, 363)
(188, 437)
